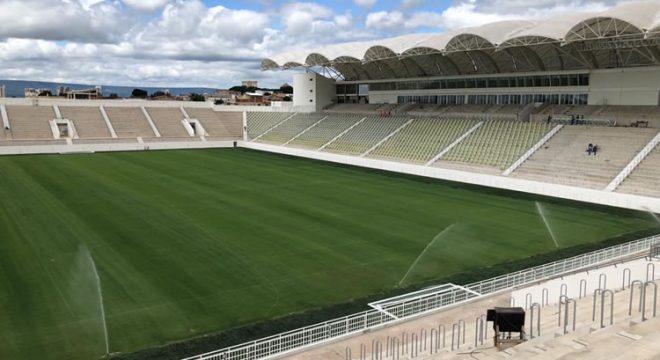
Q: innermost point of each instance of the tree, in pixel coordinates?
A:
(287, 89)
(139, 93)
(197, 97)
(45, 93)
(113, 96)
(158, 93)
(219, 102)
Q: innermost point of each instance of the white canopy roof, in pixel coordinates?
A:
(514, 45)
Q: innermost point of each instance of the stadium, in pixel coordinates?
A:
(491, 192)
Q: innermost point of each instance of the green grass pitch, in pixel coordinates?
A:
(191, 242)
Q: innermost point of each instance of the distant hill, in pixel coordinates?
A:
(15, 88)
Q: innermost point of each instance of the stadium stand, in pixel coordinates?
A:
(325, 131)
(564, 160)
(260, 122)
(496, 144)
(637, 116)
(168, 122)
(620, 331)
(369, 109)
(30, 122)
(290, 128)
(420, 141)
(645, 179)
(219, 125)
(366, 135)
(129, 122)
(88, 121)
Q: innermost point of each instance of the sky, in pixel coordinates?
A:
(214, 43)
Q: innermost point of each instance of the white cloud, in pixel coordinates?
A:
(385, 20)
(61, 20)
(146, 4)
(410, 3)
(185, 42)
(365, 3)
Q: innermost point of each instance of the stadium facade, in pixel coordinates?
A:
(606, 58)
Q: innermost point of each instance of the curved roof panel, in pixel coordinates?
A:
(636, 19)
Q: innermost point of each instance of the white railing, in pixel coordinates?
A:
(633, 164)
(334, 329)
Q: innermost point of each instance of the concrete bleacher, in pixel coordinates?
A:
(88, 121)
(422, 139)
(129, 122)
(287, 130)
(219, 125)
(496, 144)
(366, 135)
(325, 131)
(620, 115)
(563, 159)
(368, 109)
(30, 122)
(260, 122)
(628, 336)
(645, 179)
(168, 122)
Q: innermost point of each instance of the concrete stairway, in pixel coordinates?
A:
(219, 125)
(88, 121)
(129, 122)
(563, 159)
(30, 122)
(645, 179)
(168, 122)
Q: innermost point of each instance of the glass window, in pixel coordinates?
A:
(584, 79)
(564, 80)
(481, 83)
(574, 81)
(503, 82)
(451, 84)
(555, 80)
(470, 83)
(529, 81)
(492, 83)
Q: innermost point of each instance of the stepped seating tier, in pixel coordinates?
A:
(422, 139)
(645, 179)
(129, 122)
(219, 124)
(620, 114)
(498, 144)
(260, 122)
(366, 135)
(88, 121)
(325, 131)
(563, 159)
(290, 128)
(30, 122)
(168, 121)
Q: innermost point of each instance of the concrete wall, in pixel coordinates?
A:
(312, 89)
(633, 86)
(112, 146)
(533, 187)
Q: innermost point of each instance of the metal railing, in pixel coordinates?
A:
(357, 323)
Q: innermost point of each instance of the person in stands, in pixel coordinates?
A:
(595, 149)
(590, 148)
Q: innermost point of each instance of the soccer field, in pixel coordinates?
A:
(190, 242)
